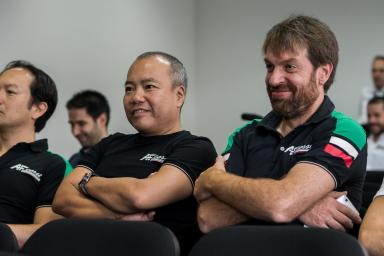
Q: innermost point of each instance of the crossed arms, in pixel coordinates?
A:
(305, 193)
(123, 198)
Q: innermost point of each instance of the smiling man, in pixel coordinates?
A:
(88, 116)
(292, 165)
(150, 174)
(29, 173)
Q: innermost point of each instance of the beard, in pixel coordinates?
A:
(301, 100)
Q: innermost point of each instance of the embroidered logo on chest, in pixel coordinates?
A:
(296, 150)
(25, 169)
(153, 158)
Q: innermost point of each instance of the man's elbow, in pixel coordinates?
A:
(372, 240)
(205, 222)
(62, 205)
(282, 211)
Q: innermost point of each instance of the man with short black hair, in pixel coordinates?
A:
(292, 165)
(150, 174)
(377, 90)
(29, 174)
(88, 115)
(375, 140)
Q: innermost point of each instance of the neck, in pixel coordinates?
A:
(168, 130)
(289, 124)
(10, 137)
(375, 137)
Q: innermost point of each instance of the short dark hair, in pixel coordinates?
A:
(376, 100)
(43, 89)
(308, 32)
(177, 71)
(378, 57)
(94, 103)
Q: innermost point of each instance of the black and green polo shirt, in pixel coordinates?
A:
(329, 139)
(29, 178)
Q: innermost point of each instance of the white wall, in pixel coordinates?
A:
(90, 44)
(230, 65)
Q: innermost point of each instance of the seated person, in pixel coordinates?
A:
(377, 90)
(371, 233)
(375, 140)
(295, 162)
(88, 115)
(30, 174)
(150, 174)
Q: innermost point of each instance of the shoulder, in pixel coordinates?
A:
(244, 129)
(59, 162)
(348, 128)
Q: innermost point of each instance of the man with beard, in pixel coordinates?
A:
(377, 90)
(292, 165)
(88, 115)
(375, 140)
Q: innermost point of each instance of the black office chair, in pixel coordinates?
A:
(101, 237)
(373, 180)
(276, 240)
(8, 241)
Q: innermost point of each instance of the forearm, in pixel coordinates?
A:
(69, 202)
(213, 214)
(371, 233)
(22, 232)
(117, 194)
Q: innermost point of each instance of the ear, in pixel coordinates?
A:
(324, 72)
(102, 119)
(180, 95)
(38, 110)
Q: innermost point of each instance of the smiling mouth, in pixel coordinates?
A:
(139, 111)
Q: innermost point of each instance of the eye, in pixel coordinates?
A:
(290, 67)
(269, 67)
(129, 88)
(10, 92)
(149, 87)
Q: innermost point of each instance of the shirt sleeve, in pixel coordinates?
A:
(54, 174)
(192, 156)
(342, 152)
(92, 157)
(235, 151)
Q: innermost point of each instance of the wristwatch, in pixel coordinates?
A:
(84, 182)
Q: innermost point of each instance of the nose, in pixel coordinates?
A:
(275, 77)
(75, 130)
(138, 95)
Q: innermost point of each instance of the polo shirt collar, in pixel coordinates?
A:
(38, 145)
(271, 120)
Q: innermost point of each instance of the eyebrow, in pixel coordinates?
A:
(143, 81)
(284, 61)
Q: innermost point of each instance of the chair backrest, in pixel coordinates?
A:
(276, 240)
(101, 237)
(373, 180)
(8, 241)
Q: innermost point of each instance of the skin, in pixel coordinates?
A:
(152, 104)
(371, 233)
(17, 124)
(376, 119)
(378, 73)
(88, 131)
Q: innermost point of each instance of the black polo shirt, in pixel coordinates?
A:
(29, 178)
(120, 155)
(329, 139)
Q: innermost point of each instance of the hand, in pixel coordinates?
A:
(202, 184)
(329, 213)
(139, 216)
